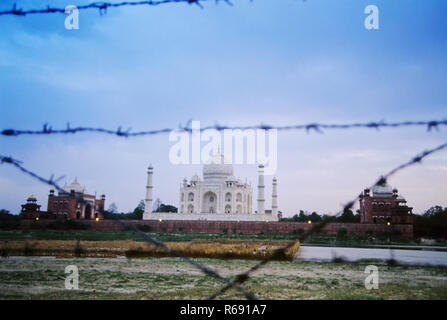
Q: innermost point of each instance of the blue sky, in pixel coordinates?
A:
(277, 62)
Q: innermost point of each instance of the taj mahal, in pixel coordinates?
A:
(219, 196)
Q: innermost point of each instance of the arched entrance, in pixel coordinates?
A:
(88, 212)
(209, 202)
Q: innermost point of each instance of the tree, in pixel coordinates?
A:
(328, 218)
(8, 220)
(349, 216)
(315, 217)
(157, 204)
(113, 208)
(6, 215)
(139, 210)
(433, 223)
(4, 212)
(166, 208)
(342, 232)
(301, 217)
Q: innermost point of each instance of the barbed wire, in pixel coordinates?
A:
(242, 277)
(102, 6)
(317, 127)
(206, 270)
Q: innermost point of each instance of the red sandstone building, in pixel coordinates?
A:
(31, 210)
(384, 206)
(74, 203)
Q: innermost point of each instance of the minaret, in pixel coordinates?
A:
(261, 199)
(275, 197)
(148, 201)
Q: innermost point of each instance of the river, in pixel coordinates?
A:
(411, 257)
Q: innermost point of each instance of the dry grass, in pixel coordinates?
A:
(173, 278)
(223, 249)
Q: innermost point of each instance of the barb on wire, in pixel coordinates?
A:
(317, 127)
(244, 276)
(101, 6)
(206, 270)
(241, 278)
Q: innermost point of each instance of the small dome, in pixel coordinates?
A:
(75, 186)
(400, 198)
(382, 191)
(195, 178)
(216, 168)
(31, 198)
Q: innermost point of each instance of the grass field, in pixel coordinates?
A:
(92, 235)
(100, 277)
(172, 278)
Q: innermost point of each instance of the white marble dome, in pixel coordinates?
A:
(216, 168)
(74, 186)
(383, 191)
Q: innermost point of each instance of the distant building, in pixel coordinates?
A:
(219, 191)
(31, 210)
(384, 206)
(219, 196)
(74, 203)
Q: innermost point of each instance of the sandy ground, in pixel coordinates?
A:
(173, 278)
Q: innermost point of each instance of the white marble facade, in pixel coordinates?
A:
(219, 191)
(219, 196)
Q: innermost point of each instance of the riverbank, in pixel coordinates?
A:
(319, 240)
(217, 249)
(173, 278)
(373, 255)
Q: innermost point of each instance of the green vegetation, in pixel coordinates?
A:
(8, 221)
(137, 213)
(166, 208)
(347, 216)
(433, 223)
(94, 235)
(342, 233)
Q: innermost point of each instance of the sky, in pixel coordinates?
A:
(256, 62)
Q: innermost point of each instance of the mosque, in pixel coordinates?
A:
(219, 196)
(74, 203)
(384, 206)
